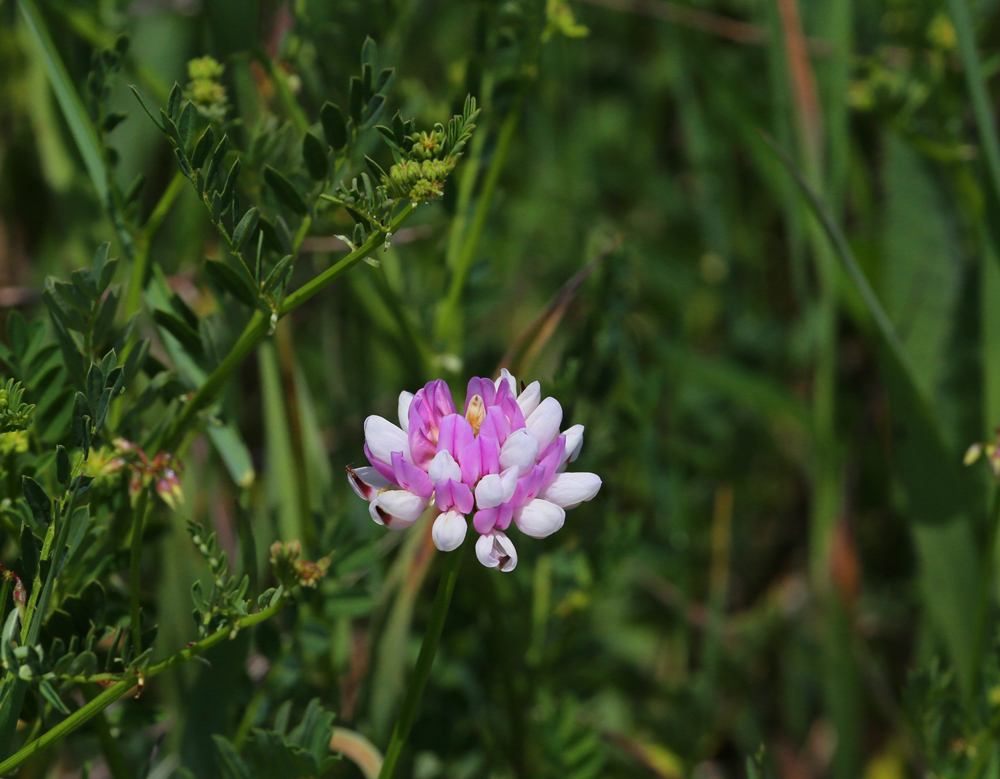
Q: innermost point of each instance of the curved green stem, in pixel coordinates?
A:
(94, 707)
(258, 327)
(425, 660)
(143, 242)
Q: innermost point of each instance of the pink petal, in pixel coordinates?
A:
(410, 477)
(384, 469)
(484, 388)
(495, 426)
(453, 494)
(454, 435)
(485, 519)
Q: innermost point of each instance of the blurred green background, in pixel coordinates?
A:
(786, 551)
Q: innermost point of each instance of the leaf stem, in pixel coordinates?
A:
(113, 756)
(425, 660)
(258, 327)
(95, 706)
(144, 240)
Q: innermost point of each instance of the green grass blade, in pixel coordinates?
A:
(77, 118)
(982, 107)
(942, 495)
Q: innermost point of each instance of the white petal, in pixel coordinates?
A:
(443, 466)
(574, 443)
(393, 523)
(484, 551)
(489, 491)
(384, 438)
(405, 399)
(544, 422)
(505, 376)
(509, 551)
(508, 481)
(520, 450)
(402, 504)
(449, 531)
(539, 518)
(495, 549)
(569, 490)
(370, 478)
(530, 398)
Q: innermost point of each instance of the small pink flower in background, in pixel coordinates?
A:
(503, 460)
(161, 470)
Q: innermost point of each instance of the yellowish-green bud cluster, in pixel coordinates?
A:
(16, 442)
(14, 415)
(427, 146)
(204, 89)
(421, 180)
(205, 69)
(290, 569)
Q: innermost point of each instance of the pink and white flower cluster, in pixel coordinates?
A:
(502, 461)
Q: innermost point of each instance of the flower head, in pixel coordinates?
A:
(161, 470)
(501, 460)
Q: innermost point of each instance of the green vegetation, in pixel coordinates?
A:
(753, 246)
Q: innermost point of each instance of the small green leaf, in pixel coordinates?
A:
(398, 129)
(387, 135)
(83, 279)
(264, 599)
(384, 81)
(285, 191)
(245, 229)
(72, 296)
(183, 163)
(174, 102)
(202, 148)
(334, 125)
(106, 275)
(63, 467)
(102, 409)
(232, 281)
(112, 120)
(278, 273)
(366, 82)
(215, 163)
(357, 100)
(315, 157)
(186, 125)
(374, 110)
(186, 335)
(144, 108)
(231, 765)
(38, 501)
(52, 697)
(142, 661)
(29, 555)
(234, 173)
(375, 168)
(80, 426)
(95, 386)
(369, 52)
(106, 317)
(170, 129)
